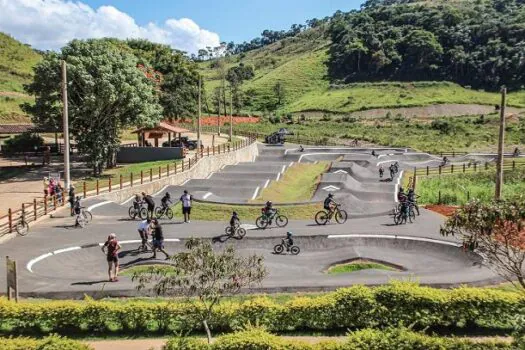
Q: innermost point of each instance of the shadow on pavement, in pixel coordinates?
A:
(88, 283)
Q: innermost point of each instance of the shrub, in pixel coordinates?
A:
(26, 142)
(355, 307)
(48, 343)
(368, 339)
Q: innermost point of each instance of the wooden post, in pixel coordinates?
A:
(175, 167)
(45, 205)
(501, 143)
(160, 172)
(208, 151)
(513, 164)
(168, 169)
(109, 184)
(229, 149)
(150, 174)
(486, 166)
(10, 219)
(54, 204)
(97, 187)
(439, 197)
(213, 140)
(189, 163)
(141, 177)
(463, 167)
(428, 170)
(415, 179)
(475, 167)
(213, 150)
(440, 170)
(452, 168)
(84, 188)
(182, 165)
(34, 208)
(131, 179)
(120, 181)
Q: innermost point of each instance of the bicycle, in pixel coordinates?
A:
(265, 219)
(400, 216)
(141, 212)
(22, 227)
(83, 218)
(163, 211)
(238, 233)
(322, 217)
(279, 248)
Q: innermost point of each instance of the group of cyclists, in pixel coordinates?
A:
(407, 202)
(393, 169)
(165, 202)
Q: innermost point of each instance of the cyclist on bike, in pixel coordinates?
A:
(150, 202)
(401, 196)
(165, 200)
(396, 167)
(77, 209)
(144, 229)
(288, 241)
(301, 148)
(329, 205)
(412, 199)
(234, 222)
(137, 202)
(392, 171)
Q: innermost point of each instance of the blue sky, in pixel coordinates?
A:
(187, 25)
(233, 20)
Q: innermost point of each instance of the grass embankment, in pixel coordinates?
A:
(16, 62)
(247, 214)
(298, 184)
(358, 265)
(457, 189)
(127, 170)
(435, 135)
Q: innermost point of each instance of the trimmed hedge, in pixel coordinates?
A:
(349, 308)
(48, 343)
(398, 339)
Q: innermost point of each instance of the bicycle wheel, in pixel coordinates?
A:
(240, 233)
(278, 249)
(132, 213)
(22, 228)
(295, 250)
(281, 221)
(261, 222)
(169, 213)
(321, 218)
(81, 221)
(341, 216)
(88, 217)
(412, 215)
(158, 212)
(143, 213)
(397, 218)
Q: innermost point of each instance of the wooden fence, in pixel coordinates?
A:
(45, 205)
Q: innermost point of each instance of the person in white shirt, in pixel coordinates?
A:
(144, 229)
(186, 205)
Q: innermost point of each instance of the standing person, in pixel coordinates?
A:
(144, 229)
(186, 199)
(72, 198)
(46, 186)
(381, 171)
(150, 202)
(158, 239)
(392, 172)
(59, 192)
(113, 248)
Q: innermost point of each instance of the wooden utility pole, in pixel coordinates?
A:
(219, 114)
(501, 143)
(231, 114)
(65, 125)
(199, 117)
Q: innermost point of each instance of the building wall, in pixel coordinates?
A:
(148, 154)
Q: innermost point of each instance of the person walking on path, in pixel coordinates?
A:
(158, 239)
(113, 248)
(144, 229)
(72, 199)
(151, 204)
(186, 199)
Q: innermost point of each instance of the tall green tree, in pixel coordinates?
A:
(106, 93)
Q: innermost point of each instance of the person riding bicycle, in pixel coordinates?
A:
(234, 222)
(150, 202)
(516, 152)
(301, 148)
(329, 205)
(412, 199)
(165, 200)
(77, 209)
(401, 195)
(137, 202)
(288, 240)
(268, 209)
(373, 153)
(392, 171)
(144, 229)
(445, 161)
(396, 167)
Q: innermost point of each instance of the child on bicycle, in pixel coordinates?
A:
(137, 202)
(329, 205)
(288, 240)
(165, 200)
(234, 222)
(268, 209)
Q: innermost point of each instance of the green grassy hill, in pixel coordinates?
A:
(16, 61)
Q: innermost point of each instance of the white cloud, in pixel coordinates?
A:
(49, 24)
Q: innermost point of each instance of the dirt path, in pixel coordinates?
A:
(13, 94)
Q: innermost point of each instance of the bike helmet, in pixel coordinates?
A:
(235, 213)
(168, 195)
(401, 189)
(331, 195)
(185, 192)
(411, 190)
(288, 234)
(269, 203)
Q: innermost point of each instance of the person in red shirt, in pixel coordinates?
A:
(113, 248)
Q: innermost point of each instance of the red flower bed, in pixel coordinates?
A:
(212, 120)
(446, 210)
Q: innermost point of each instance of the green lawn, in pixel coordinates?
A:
(357, 266)
(298, 184)
(130, 272)
(457, 189)
(247, 214)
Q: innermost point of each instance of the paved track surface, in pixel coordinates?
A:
(58, 260)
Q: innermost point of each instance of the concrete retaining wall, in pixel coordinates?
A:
(147, 154)
(204, 167)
